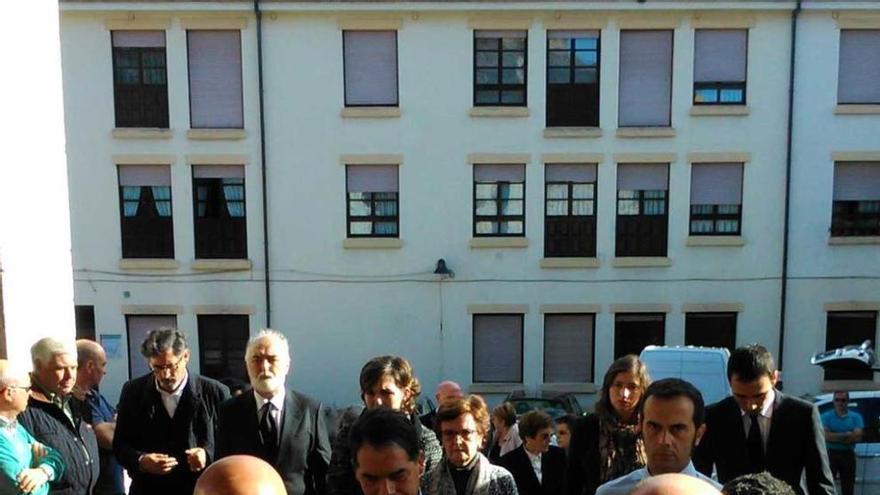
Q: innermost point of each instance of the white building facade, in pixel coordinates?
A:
(599, 176)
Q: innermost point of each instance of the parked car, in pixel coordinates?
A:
(705, 367)
(555, 405)
(868, 450)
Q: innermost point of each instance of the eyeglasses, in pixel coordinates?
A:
(450, 435)
(841, 400)
(172, 367)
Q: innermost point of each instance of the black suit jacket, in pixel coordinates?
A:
(552, 471)
(143, 427)
(796, 443)
(303, 452)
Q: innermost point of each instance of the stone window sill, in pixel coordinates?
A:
(715, 240)
(499, 112)
(834, 385)
(495, 388)
(498, 242)
(372, 243)
(225, 265)
(719, 110)
(573, 388)
(645, 132)
(570, 263)
(864, 109)
(148, 264)
(216, 134)
(141, 133)
(853, 241)
(370, 112)
(641, 262)
(572, 132)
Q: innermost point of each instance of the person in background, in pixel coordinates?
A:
(386, 382)
(445, 390)
(239, 475)
(386, 453)
(563, 431)
(762, 483)
(281, 426)
(673, 419)
(97, 411)
(607, 444)
(166, 420)
(506, 435)
(537, 467)
(462, 424)
(53, 422)
(236, 385)
(26, 466)
(843, 430)
(759, 429)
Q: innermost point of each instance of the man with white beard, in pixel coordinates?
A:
(283, 427)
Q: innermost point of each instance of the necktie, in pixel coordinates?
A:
(268, 431)
(755, 445)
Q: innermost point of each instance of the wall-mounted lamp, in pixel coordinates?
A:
(443, 270)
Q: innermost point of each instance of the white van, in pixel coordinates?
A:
(705, 367)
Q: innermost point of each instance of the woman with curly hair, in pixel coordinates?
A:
(385, 381)
(608, 444)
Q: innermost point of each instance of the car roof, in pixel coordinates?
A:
(857, 394)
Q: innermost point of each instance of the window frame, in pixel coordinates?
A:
(662, 322)
(592, 367)
(592, 119)
(131, 252)
(396, 103)
(852, 215)
(499, 217)
(500, 86)
(618, 252)
(227, 321)
(718, 86)
(715, 216)
(229, 226)
(692, 316)
(120, 93)
(373, 219)
(189, 81)
(837, 99)
(668, 96)
(521, 347)
(591, 219)
(834, 374)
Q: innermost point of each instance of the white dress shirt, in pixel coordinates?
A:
(171, 399)
(764, 416)
(536, 463)
(625, 484)
(277, 405)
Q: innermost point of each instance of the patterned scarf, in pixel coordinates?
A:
(621, 449)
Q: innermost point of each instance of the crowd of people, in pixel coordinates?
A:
(175, 432)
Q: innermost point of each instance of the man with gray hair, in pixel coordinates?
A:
(52, 421)
(283, 427)
(165, 424)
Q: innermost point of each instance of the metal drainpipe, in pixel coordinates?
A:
(259, 16)
(785, 229)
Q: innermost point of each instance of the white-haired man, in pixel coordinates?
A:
(283, 427)
(52, 421)
(27, 466)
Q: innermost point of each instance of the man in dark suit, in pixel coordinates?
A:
(283, 427)
(537, 467)
(761, 429)
(165, 421)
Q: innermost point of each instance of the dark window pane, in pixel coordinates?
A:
(710, 330)
(585, 58)
(487, 59)
(513, 97)
(220, 229)
(559, 59)
(513, 76)
(633, 332)
(559, 76)
(487, 96)
(513, 43)
(487, 43)
(147, 228)
(222, 343)
(586, 43)
(849, 328)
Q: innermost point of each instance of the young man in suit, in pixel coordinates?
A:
(762, 429)
(386, 453)
(537, 467)
(283, 427)
(165, 423)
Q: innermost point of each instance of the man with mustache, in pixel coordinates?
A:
(283, 427)
(673, 416)
(165, 424)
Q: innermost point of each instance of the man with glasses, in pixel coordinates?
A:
(843, 430)
(166, 420)
(97, 411)
(52, 421)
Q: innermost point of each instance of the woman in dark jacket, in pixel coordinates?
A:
(607, 444)
(386, 381)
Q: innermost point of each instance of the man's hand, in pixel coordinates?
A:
(31, 479)
(197, 459)
(157, 463)
(38, 452)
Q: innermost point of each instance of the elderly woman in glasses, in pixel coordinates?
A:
(462, 424)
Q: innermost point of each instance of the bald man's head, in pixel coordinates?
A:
(674, 484)
(240, 475)
(447, 390)
(91, 362)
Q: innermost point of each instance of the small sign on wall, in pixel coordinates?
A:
(112, 344)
